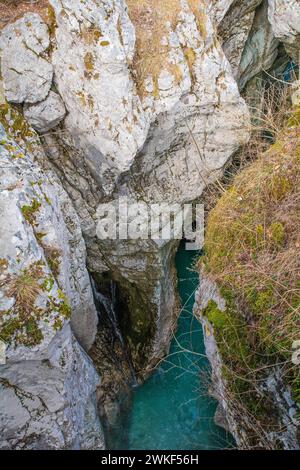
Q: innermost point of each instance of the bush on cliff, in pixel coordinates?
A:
(252, 252)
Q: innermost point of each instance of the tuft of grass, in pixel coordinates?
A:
(24, 287)
(21, 321)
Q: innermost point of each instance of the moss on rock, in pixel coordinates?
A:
(252, 252)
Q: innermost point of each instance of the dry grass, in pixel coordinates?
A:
(12, 10)
(252, 252)
(150, 18)
(256, 250)
(271, 112)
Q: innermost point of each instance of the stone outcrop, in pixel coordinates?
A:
(248, 37)
(261, 47)
(234, 29)
(179, 116)
(231, 414)
(219, 8)
(284, 16)
(48, 384)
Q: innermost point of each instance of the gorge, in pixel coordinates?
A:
(152, 102)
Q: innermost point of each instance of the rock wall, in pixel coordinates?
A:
(136, 100)
(284, 16)
(134, 122)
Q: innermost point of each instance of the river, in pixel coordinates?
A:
(172, 409)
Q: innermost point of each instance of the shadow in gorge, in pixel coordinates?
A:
(112, 358)
(173, 409)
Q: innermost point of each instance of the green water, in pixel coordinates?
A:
(172, 410)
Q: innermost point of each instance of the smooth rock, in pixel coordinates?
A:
(284, 16)
(47, 114)
(261, 48)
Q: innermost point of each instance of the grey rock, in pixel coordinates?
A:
(27, 75)
(48, 384)
(46, 114)
(117, 135)
(261, 48)
(234, 30)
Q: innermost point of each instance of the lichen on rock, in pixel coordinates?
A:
(37, 300)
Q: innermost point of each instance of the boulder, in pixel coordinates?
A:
(46, 114)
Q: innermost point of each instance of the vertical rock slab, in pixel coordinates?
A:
(235, 28)
(26, 73)
(261, 48)
(48, 384)
(154, 115)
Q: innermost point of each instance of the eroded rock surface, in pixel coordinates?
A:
(48, 384)
(154, 113)
(284, 16)
(235, 28)
(261, 48)
(154, 130)
(27, 75)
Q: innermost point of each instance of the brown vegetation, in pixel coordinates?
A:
(12, 10)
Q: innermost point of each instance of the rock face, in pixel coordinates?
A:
(235, 28)
(48, 384)
(27, 75)
(47, 114)
(219, 8)
(284, 16)
(248, 37)
(178, 115)
(261, 47)
(228, 413)
(154, 113)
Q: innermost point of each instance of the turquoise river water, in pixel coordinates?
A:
(172, 410)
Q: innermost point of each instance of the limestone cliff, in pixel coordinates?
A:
(135, 99)
(48, 384)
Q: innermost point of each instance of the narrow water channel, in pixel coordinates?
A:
(173, 410)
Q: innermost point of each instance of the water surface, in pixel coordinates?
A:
(172, 410)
